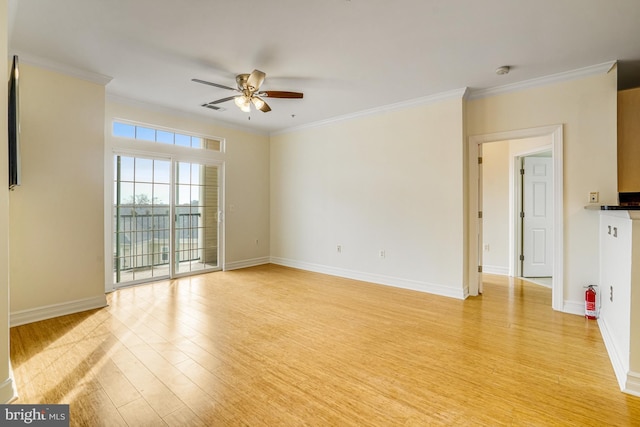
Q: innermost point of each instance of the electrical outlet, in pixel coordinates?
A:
(381, 253)
(594, 197)
(486, 247)
(339, 249)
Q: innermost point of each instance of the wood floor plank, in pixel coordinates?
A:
(116, 385)
(97, 411)
(139, 413)
(155, 392)
(271, 345)
(184, 417)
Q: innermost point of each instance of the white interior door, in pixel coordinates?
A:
(537, 222)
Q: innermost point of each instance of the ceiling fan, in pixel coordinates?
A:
(249, 93)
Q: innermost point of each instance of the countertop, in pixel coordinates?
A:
(596, 207)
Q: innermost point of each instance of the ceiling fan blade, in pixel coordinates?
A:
(204, 82)
(265, 108)
(220, 101)
(281, 94)
(255, 79)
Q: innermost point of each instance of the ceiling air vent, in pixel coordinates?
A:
(214, 107)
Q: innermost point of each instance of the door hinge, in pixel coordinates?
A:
(479, 160)
(479, 269)
(479, 214)
(521, 214)
(521, 257)
(521, 171)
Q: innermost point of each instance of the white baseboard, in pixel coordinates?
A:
(574, 307)
(632, 385)
(31, 315)
(246, 263)
(617, 362)
(8, 392)
(495, 269)
(628, 380)
(397, 282)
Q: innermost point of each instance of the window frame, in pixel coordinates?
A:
(175, 132)
(115, 145)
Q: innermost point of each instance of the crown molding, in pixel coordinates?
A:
(592, 70)
(47, 64)
(425, 100)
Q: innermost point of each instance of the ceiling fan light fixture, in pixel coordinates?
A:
(243, 102)
(240, 100)
(259, 103)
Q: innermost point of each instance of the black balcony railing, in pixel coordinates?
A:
(142, 237)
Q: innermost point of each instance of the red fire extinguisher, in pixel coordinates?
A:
(590, 307)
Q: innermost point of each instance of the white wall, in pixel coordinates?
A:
(56, 239)
(391, 181)
(394, 182)
(587, 108)
(495, 207)
(246, 181)
(6, 383)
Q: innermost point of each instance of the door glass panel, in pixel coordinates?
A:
(143, 170)
(162, 172)
(196, 239)
(141, 219)
(161, 194)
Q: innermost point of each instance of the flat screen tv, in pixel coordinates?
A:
(14, 126)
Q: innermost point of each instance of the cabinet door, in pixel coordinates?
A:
(615, 281)
(629, 140)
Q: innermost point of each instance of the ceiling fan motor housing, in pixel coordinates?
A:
(241, 80)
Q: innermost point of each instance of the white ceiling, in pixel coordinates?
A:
(347, 56)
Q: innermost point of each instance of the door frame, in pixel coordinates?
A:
(555, 132)
(110, 286)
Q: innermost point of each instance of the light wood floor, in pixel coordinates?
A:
(272, 346)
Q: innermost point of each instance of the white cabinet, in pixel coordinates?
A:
(618, 290)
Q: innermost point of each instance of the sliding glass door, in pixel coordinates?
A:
(166, 219)
(197, 217)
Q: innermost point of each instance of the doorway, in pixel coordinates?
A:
(476, 220)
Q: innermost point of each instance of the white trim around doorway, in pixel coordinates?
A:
(556, 137)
